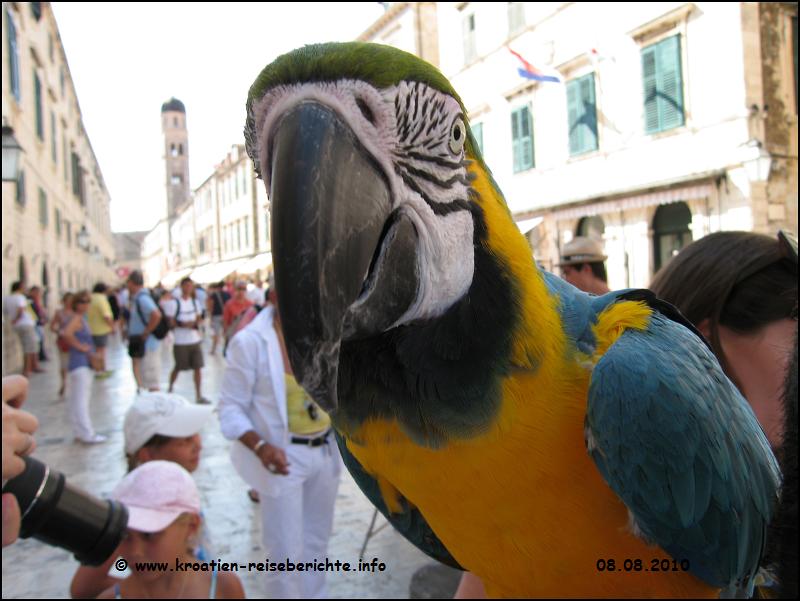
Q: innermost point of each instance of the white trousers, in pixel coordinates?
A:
(79, 389)
(296, 525)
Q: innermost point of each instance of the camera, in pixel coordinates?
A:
(64, 516)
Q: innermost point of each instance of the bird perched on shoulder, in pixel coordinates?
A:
(552, 442)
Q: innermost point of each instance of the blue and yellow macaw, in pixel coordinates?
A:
(503, 421)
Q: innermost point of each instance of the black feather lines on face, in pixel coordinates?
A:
(423, 156)
(440, 378)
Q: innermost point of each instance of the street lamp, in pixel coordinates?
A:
(11, 155)
(82, 238)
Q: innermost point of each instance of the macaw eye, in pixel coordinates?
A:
(458, 135)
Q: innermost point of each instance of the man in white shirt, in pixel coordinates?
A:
(185, 318)
(20, 316)
(296, 475)
(256, 294)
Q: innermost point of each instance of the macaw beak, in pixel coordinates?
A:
(345, 261)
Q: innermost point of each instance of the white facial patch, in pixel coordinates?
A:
(408, 130)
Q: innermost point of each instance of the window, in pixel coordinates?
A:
(582, 115)
(516, 17)
(201, 245)
(58, 223)
(247, 231)
(180, 149)
(37, 92)
(239, 235)
(53, 136)
(69, 232)
(176, 180)
(64, 150)
(13, 57)
(50, 47)
(175, 122)
(172, 150)
(236, 183)
(21, 189)
(61, 80)
(522, 138)
(470, 47)
(671, 232)
(36, 10)
(77, 179)
(663, 85)
(43, 216)
(477, 133)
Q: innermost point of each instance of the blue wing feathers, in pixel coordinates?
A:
(682, 449)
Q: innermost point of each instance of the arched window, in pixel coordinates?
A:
(671, 232)
(591, 227)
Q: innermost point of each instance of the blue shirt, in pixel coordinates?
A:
(142, 305)
(79, 358)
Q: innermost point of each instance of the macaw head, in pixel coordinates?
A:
(382, 213)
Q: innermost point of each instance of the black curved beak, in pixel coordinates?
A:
(345, 263)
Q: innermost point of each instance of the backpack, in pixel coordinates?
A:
(161, 330)
(239, 323)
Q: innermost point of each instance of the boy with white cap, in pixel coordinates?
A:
(163, 522)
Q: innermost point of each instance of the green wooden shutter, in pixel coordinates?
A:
(663, 85)
(13, 57)
(670, 83)
(37, 90)
(515, 139)
(589, 113)
(527, 138)
(573, 118)
(649, 78)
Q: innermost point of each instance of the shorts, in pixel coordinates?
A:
(63, 359)
(216, 324)
(28, 339)
(100, 341)
(187, 356)
(136, 346)
(151, 369)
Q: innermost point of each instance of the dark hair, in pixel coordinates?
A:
(155, 441)
(184, 280)
(16, 286)
(739, 280)
(100, 287)
(599, 271)
(79, 297)
(136, 278)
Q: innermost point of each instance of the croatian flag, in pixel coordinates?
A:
(528, 71)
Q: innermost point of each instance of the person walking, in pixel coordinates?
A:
(143, 347)
(79, 381)
(101, 324)
(187, 349)
(22, 318)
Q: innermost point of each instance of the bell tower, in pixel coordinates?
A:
(176, 156)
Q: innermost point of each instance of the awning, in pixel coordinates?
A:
(173, 277)
(527, 225)
(262, 261)
(214, 272)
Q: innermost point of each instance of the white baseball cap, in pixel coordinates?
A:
(162, 413)
(156, 493)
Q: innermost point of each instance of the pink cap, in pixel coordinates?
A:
(156, 493)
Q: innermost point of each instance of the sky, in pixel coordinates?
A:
(126, 59)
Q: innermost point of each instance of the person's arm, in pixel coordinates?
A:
(108, 316)
(236, 398)
(89, 581)
(69, 335)
(55, 323)
(152, 323)
(229, 586)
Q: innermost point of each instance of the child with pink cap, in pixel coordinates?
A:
(163, 523)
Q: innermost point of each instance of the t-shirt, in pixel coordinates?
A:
(256, 296)
(232, 308)
(13, 303)
(189, 309)
(99, 308)
(146, 306)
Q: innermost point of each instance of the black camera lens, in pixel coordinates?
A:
(64, 516)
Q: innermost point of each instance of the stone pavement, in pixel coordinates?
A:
(34, 570)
